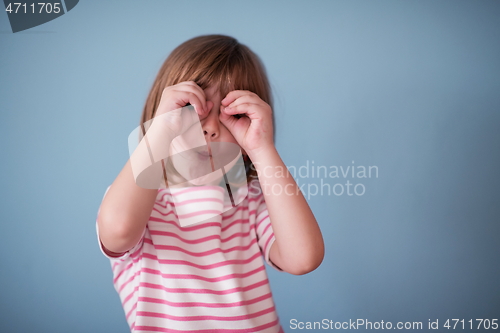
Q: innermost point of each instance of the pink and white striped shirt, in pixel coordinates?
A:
(208, 277)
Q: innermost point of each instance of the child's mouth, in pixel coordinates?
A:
(204, 154)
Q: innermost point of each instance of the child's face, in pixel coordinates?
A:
(213, 129)
(193, 163)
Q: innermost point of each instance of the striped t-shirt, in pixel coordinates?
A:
(208, 277)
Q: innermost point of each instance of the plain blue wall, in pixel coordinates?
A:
(412, 87)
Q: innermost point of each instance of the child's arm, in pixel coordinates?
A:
(299, 247)
(126, 207)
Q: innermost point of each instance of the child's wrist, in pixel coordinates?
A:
(262, 154)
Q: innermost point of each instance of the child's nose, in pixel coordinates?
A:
(211, 126)
(210, 132)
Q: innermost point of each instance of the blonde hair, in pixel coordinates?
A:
(211, 60)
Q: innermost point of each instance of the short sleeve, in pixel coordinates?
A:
(264, 230)
(112, 255)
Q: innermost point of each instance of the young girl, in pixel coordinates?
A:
(208, 276)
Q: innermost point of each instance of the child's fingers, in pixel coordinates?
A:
(233, 95)
(245, 99)
(192, 87)
(229, 111)
(227, 120)
(199, 104)
(175, 97)
(250, 110)
(247, 103)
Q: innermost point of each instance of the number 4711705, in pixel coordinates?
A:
(41, 7)
(462, 324)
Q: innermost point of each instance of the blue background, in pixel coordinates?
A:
(411, 87)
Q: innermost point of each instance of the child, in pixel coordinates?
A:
(209, 276)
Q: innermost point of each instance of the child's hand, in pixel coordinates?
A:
(175, 97)
(249, 119)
